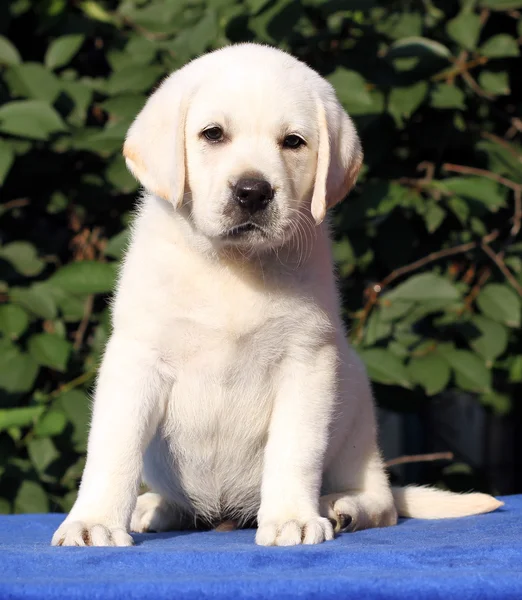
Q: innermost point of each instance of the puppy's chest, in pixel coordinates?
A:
(227, 355)
(220, 404)
(225, 363)
(221, 333)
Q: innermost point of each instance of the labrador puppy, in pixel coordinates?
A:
(228, 385)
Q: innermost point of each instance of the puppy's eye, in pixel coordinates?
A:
(293, 141)
(213, 134)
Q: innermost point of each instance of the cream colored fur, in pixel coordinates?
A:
(228, 384)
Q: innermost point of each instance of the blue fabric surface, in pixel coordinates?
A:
(474, 557)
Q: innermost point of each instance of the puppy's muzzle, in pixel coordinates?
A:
(253, 195)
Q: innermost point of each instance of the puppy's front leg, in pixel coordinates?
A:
(294, 454)
(126, 413)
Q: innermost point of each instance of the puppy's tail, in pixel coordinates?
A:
(421, 502)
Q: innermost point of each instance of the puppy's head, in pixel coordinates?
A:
(249, 143)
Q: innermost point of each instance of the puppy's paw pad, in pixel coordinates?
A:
(343, 523)
(294, 532)
(78, 533)
(341, 511)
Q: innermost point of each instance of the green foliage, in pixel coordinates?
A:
(430, 85)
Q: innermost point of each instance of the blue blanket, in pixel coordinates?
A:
(474, 557)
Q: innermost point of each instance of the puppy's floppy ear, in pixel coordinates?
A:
(339, 156)
(154, 148)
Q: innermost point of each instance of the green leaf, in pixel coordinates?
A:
(471, 374)
(23, 257)
(418, 55)
(13, 320)
(385, 367)
(195, 40)
(71, 306)
(351, 90)
(54, 8)
(133, 79)
(85, 277)
(50, 350)
(432, 372)
(393, 309)
(103, 141)
(81, 96)
(51, 423)
(76, 406)
(31, 498)
(418, 46)
(97, 12)
(447, 96)
(378, 198)
(62, 50)
(124, 107)
(32, 80)
(344, 257)
(400, 25)
(404, 101)
(119, 177)
(479, 189)
(157, 17)
(500, 46)
(478, 227)
(18, 370)
(376, 328)
(500, 303)
(502, 4)
(495, 83)
(19, 417)
(7, 157)
(515, 369)
(502, 159)
(460, 208)
(116, 246)
(434, 216)
(67, 502)
(256, 5)
(493, 338)
(42, 453)
(32, 119)
(58, 203)
(499, 403)
(142, 49)
(9, 55)
(465, 29)
(36, 299)
(424, 287)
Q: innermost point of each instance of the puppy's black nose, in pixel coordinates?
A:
(253, 194)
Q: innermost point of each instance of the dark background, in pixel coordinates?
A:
(428, 245)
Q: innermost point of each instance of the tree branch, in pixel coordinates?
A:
(74, 383)
(505, 144)
(499, 261)
(87, 311)
(482, 173)
(17, 203)
(432, 257)
(517, 213)
(416, 458)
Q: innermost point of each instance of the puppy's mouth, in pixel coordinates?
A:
(240, 230)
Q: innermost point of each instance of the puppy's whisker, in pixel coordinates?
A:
(303, 233)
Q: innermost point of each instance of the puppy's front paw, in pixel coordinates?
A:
(294, 532)
(79, 533)
(152, 513)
